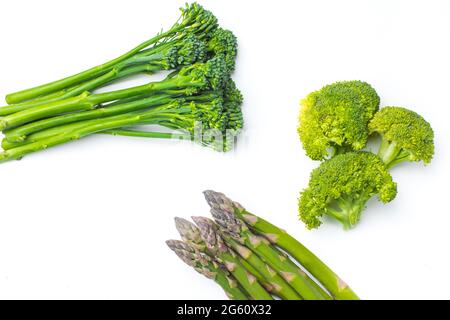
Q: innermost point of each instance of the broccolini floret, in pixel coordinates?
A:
(224, 42)
(405, 136)
(334, 119)
(340, 187)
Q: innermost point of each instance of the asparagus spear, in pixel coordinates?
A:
(332, 282)
(238, 230)
(217, 246)
(206, 266)
(191, 234)
(280, 287)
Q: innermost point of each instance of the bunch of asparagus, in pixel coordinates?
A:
(197, 101)
(250, 258)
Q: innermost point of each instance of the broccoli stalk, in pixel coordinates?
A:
(177, 115)
(340, 187)
(232, 100)
(171, 55)
(405, 136)
(176, 54)
(194, 20)
(194, 78)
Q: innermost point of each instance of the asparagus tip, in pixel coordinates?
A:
(172, 244)
(189, 232)
(208, 231)
(228, 221)
(219, 200)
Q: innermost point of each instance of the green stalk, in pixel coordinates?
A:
(145, 134)
(237, 229)
(349, 210)
(81, 130)
(217, 246)
(332, 282)
(96, 83)
(206, 266)
(82, 76)
(191, 235)
(193, 19)
(79, 103)
(257, 274)
(279, 286)
(19, 134)
(392, 154)
(10, 109)
(86, 101)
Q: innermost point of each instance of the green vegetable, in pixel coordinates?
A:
(340, 187)
(191, 234)
(332, 282)
(206, 266)
(334, 119)
(197, 101)
(177, 115)
(279, 286)
(251, 246)
(194, 20)
(235, 228)
(217, 246)
(406, 136)
(211, 75)
(173, 54)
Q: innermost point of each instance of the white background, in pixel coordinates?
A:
(89, 219)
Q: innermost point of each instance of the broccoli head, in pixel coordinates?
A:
(406, 136)
(186, 52)
(334, 119)
(233, 100)
(201, 76)
(341, 186)
(224, 42)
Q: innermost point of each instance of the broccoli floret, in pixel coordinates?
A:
(405, 136)
(187, 52)
(210, 75)
(197, 20)
(341, 186)
(334, 119)
(233, 100)
(224, 42)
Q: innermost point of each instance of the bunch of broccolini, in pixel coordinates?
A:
(197, 101)
(335, 124)
(251, 258)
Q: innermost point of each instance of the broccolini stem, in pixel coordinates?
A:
(83, 129)
(87, 102)
(19, 134)
(144, 134)
(79, 103)
(332, 282)
(85, 75)
(41, 100)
